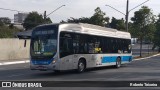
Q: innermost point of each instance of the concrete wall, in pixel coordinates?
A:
(11, 49)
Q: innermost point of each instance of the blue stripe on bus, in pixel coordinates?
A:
(41, 62)
(108, 59)
(126, 58)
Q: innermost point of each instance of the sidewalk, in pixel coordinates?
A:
(146, 57)
(8, 62)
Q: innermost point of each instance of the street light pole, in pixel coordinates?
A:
(127, 15)
(45, 15)
(127, 11)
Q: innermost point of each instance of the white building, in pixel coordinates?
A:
(20, 17)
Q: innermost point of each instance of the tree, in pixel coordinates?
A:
(34, 19)
(1, 23)
(98, 18)
(156, 39)
(117, 24)
(79, 20)
(5, 20)
(143, 24)
(6, 32)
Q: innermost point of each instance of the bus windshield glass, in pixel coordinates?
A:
(44, 42)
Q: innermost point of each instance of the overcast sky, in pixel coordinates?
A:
(74, 8)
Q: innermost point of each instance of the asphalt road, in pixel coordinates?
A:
(142, 70)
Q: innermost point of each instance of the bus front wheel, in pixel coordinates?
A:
(118, 62)
(57, 71)
(81, 66)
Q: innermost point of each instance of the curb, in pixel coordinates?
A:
(14, 62)
(146, 57)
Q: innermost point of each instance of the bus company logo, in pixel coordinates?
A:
(6, 84)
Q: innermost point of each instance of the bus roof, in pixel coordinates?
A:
(90, 29)
(93, 30)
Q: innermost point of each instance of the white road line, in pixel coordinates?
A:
(16, 75)
(146, 57)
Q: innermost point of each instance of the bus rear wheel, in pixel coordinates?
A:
(118, 63)
(81, 66)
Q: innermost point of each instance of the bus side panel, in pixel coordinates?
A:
(90, 60)
(110, 59)
(66, 62)
(71, 61)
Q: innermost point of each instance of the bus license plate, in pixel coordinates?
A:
(41, 67)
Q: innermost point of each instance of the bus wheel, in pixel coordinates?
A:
(118, 62)
(81, 66)
(57, 71)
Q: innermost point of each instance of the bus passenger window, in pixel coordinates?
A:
(66, 47)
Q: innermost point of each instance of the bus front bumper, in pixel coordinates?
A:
(43, 67)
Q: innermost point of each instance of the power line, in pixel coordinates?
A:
(127, 11)
(55, 10)
(11, 10)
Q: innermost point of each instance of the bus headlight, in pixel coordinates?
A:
(54, 61)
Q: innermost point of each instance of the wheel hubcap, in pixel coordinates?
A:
(118, 63)
(81, 66)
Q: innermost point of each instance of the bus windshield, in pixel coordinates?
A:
(44, 42)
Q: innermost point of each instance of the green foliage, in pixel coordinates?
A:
(4, 20)
(6, 32)
(143, 25)
(117, 24)
(48, 20)
(1, 23)
(34, 19)
(11, 26)
(79, 20)
(98, 18)
(156, 39)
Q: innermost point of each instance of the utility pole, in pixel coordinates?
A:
(45, 14)
(127, 11)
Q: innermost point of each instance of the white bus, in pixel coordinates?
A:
(78, 46)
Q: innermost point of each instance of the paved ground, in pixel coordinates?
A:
(137, 70)
(141, 70)
(146, 49)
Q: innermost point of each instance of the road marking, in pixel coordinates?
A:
(16, 75)
(146, 57)
(16, 62)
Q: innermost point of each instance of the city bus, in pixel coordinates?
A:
(78, 46)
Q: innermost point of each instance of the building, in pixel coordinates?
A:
(20, 17)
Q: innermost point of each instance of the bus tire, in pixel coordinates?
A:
(81, 66)
(57, 71)
(118, 63)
